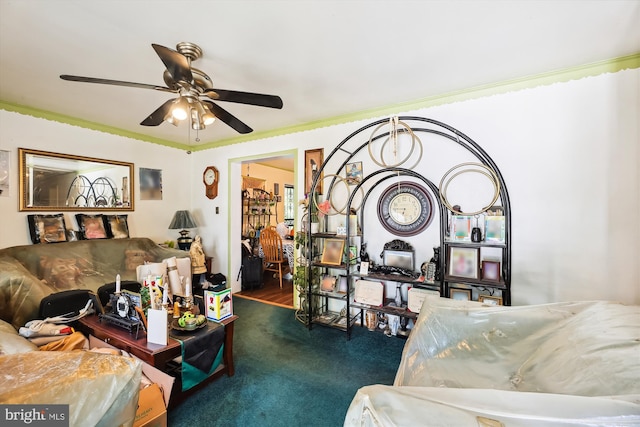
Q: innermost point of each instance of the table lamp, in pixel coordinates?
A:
(183, 220)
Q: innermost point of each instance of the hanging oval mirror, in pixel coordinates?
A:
(65, 182)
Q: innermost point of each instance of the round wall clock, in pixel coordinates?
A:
(405, 209)
(210, 179)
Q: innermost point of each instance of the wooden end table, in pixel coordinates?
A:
(157, 355)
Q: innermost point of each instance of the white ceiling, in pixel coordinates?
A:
(324, 58)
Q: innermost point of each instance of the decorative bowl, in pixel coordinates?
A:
(190, 324)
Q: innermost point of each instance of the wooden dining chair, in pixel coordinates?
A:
(271, 243)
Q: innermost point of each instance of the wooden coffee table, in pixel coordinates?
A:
(157, 355)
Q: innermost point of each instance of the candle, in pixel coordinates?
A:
(117, 283)
(165, 296)
(187, 287)
(148, 281)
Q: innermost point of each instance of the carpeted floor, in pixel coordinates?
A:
(286, 375)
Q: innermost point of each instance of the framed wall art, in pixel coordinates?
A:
(312, 161)
(150, 184)
(353, 172)
(463, 262)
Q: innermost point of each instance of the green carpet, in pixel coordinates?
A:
(286, 375)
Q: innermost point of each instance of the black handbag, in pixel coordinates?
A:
(68, 303)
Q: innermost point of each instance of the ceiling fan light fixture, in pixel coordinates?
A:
(205, 114)
(172, 120)
(180, 109)
(208, 118)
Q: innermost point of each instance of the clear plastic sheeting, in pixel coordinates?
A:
(580, 348)
(29, 273)
(553, 364)
(100, 389)
(388, 406)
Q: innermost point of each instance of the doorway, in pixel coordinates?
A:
(270, 173)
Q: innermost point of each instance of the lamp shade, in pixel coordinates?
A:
(182, 220)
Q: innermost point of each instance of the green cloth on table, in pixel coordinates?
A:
(202, 352)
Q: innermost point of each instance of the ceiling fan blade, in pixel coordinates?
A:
(177, 64)
(114, 83)
(228, 118)
(271, 101)
(157, 117)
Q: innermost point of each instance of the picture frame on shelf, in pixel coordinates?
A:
(342, 285)
(461, 228)
(328, 283)
(488, 253)
(332, 252)
(494, 230)
(460, 294)
(364, 268)
(491, 271)
(463, 262)
(369, 292)
(490, 300)
(313, 159)
(353, 172)
(400, 259)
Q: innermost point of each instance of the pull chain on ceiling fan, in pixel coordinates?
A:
(194, 89)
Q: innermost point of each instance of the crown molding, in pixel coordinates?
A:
(557, 76)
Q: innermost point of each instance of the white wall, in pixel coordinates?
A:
(569, 153)
(570, 158)
(151, 218)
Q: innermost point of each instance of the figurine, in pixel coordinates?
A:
(436, 261)
(364, 256)
(197, 257)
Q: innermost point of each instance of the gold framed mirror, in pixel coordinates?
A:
(65, 182)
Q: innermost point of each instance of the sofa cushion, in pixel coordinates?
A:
(11, 342)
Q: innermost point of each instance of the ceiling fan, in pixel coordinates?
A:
(194, 89)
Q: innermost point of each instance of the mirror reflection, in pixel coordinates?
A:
(54, 182)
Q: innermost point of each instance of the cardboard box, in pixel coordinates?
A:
(218, 305)
(151, 410)
(153, 400)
